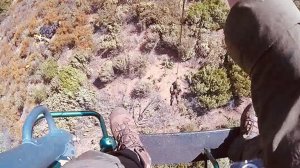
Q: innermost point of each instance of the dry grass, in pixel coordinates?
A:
(19, 49)
(73, 30)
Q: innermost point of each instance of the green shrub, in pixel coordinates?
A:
(148, 13)
(108, 42)
(186, 50)
(142, 90)
(212, 87)
(209, 14)
(131, 66)
(70, 80)
(169, 42)
(80, 61)
(120, 64)
(151, 40)
(108, 18)
(164, 29)
(108, 23)
(136, 66)
(106, 73)
(55, 85)
(86, 98)
(230, 123)
(19, 100)
(4, 5)
(39, 95)
(163, 19)
(189, 127)
(61, 102)
(163, 12)
(49, 69)
(240, 81)
(167, 63)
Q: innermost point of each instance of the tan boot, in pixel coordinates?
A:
(125, 132)
(246, 146)
(248, 125)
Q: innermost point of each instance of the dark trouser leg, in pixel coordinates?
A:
(243, 149)
(176, 96)
(128, 158)
(95, 159)
(171, 100)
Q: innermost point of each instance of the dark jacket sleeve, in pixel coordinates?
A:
(263, 37)
(253, 26)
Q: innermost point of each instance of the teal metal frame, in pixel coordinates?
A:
(107, 143)
(211, 158)
(40, 152)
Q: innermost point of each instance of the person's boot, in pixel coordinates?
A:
(246, 145)
(125, 132)
(248, 123)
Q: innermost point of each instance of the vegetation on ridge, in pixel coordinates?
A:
(212, 87)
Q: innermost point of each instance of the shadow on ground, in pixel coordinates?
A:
(191, 102)
(99, 84)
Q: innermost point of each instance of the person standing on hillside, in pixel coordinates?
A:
(175, 91)
(263, 38)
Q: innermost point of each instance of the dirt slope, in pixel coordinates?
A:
(24, 54)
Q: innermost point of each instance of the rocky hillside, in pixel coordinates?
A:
(102, 54)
